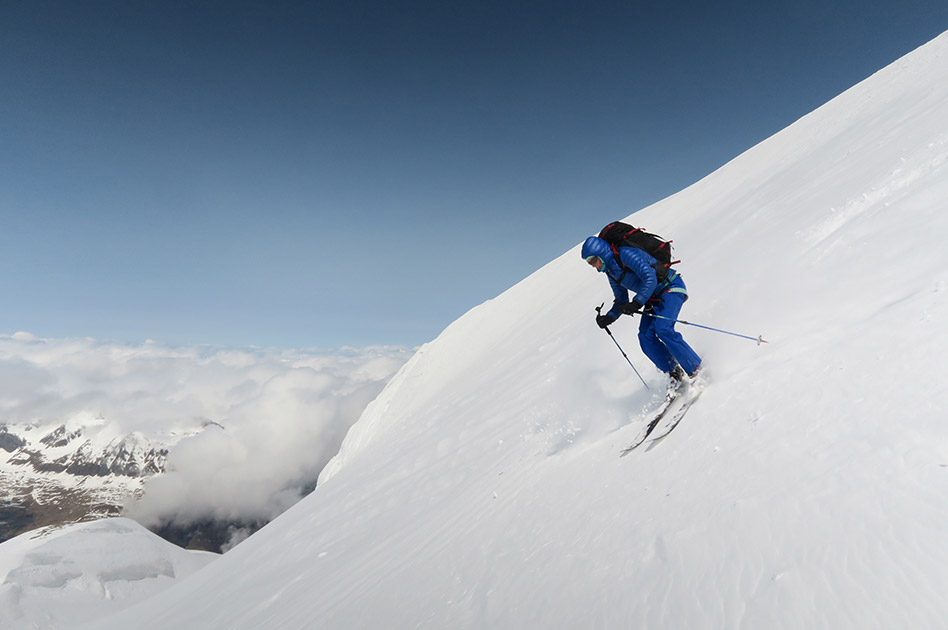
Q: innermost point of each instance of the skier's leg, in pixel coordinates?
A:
(653, 347)
(664, 330)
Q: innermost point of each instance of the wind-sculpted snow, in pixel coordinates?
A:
(95, 568)
(808, 488)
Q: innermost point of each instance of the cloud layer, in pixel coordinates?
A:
(248, 429)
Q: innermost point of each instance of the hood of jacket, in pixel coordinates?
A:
(595, 246)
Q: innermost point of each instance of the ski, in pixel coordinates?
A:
(678, 412)
(644, 433)
(676, 418)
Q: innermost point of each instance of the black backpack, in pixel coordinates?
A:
(619, 234)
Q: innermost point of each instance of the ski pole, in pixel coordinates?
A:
(759, 339)
(606, 328)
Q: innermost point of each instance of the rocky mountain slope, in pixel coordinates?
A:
(62, 474)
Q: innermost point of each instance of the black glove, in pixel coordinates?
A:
(631, 308)
(604, 320)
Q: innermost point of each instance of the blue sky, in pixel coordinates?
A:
(349, 173)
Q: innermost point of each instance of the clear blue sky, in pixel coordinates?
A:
(349, 173)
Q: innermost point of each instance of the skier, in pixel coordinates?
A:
(636, 272)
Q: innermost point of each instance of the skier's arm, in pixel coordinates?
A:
(622, 297)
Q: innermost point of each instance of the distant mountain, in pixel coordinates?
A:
(51, 476)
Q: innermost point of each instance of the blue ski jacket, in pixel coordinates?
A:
(640, 277)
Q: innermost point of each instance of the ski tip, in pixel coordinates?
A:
(628, 449)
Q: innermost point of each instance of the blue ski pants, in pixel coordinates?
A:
(659, 340)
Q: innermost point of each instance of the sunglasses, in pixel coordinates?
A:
(596, 262)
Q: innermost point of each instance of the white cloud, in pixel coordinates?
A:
(248, 428)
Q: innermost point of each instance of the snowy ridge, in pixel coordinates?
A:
(807, 489)
(84, 451)
(765, 203)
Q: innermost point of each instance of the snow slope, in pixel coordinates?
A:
(808, 488)
(57, 577)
